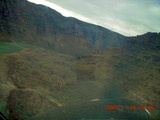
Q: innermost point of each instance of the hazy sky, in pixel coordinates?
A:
(128, 17)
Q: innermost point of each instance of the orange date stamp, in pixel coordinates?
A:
(129, 107)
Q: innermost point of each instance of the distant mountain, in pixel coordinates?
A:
(146, 41)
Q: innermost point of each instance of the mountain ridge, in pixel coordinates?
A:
(26, 22)
(29, 23)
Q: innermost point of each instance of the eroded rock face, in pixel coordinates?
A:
(26, 22)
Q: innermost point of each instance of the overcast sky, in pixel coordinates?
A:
(128, 17)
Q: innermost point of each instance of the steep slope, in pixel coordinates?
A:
(36, 24)
(25, 22)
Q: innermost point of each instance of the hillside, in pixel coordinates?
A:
(133, 73)
(35, 80)
(45, 27)
(29, 78)
(49, 62)
(39, 25)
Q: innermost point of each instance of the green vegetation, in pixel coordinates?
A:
(6, 47)
(3, 108)
(22, 112)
